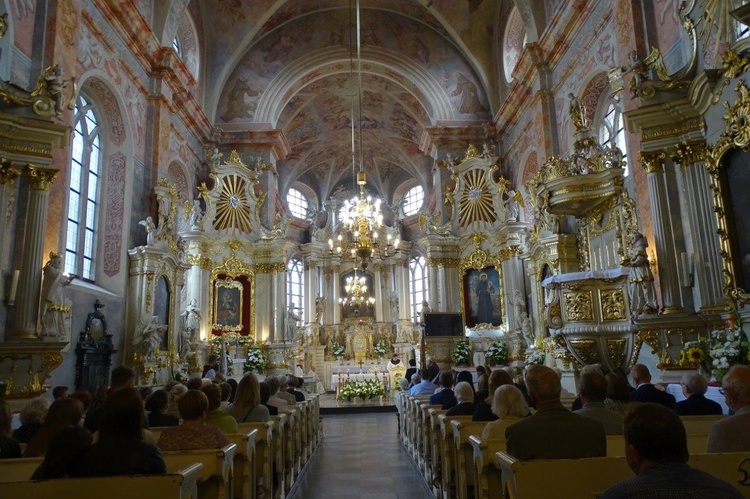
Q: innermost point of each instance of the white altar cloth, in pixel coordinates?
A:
(587, 274)
(336, 378)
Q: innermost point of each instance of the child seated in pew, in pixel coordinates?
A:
(64, 454)
(193, 433)
(120, 448)
(509, 405)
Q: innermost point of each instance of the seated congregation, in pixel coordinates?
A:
(615, 441)
(248, 439)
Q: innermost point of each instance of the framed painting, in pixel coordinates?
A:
(228, 305)
(482, 297)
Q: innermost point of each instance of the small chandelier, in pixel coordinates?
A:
(356, 292)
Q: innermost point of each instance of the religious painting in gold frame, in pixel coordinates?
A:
(228, 305)
(478, 265)
(724, 168)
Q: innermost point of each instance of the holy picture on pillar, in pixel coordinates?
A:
(228, 305)
(482, 297)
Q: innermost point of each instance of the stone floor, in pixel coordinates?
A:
(360, 456)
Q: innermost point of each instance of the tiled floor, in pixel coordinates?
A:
(360, 457)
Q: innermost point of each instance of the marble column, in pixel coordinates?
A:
(401, 282)
(663, 231)
(29, 285)
(707, 264)
(381, 303)
(433, 289)
(279, 284)
(335, 293)
(513, 279)
(442, 287)
(8, 176)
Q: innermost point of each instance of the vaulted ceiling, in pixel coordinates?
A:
(287, 64)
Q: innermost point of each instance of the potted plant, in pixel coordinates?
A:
(461, 353)
(497, 353)
(337, 350)
(256, 361)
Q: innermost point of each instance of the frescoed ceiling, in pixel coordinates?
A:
(286, 65)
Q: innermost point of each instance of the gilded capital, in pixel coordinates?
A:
(40, 179)
(8, 172)
(689, 153)
(653, 162)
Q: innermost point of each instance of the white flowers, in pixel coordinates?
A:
(337, 349)
(534, 356)
(461, 354)
(255, 360)
(497, 353)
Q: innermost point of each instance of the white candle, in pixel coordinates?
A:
(13, 287)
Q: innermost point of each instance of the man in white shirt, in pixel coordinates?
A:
(732, 434)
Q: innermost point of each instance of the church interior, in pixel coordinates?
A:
(578, 162)
(313, 185)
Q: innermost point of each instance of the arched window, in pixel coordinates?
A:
(418, 278)
(295, 286)
(513, 43)
(612, 130)
(413, 200)
(297, 203)
(84, 194)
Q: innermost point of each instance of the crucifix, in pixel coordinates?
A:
(361, 362)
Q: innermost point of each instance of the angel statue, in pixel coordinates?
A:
(578, 113)
(51, 84)
(514, 204)
(150, 230)
(149, 338)
(196, 215)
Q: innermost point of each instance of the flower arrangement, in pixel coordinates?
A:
(256, 360)
(497, 353)
(535, 356)
(337, 349)
(461, 353)
(716, 354)
(380, 348)
(180, 374)
(365, 389)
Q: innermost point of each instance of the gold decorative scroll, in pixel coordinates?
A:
(616, 350)
(586, 351)
(612, 302)
(578, 306)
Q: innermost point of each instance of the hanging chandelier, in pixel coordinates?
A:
(361, 219)
(356, 292)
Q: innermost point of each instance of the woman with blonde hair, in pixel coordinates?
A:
(247, 407)
(483, 411)
(509, 405)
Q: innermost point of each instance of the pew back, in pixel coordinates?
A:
(177, 485)
(217, 470)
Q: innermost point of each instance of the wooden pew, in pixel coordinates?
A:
(464, 456)
(291, 458)
(278, 459)
(435, 452)
(182, 484)
(245, 477)
(416, 428)
(699, 424)
(586, 477)
(264, 452)
(487, 476)
(697, 444)
(217, 470)
(732, 467)
(447, 453)
(12, 470)
(425, 449)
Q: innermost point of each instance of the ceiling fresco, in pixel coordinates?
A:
(286, 65)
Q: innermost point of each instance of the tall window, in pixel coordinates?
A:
(297, 203)
(612, 131)
(418, 275)
(83, 198)
(295, 286)
(413, 200)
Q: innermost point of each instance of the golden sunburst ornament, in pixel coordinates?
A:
(476, 200)
(232, 208)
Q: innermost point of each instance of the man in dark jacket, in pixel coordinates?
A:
(694, 387)
(445, 397)
(647, 392)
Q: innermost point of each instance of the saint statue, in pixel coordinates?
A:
(55, 309)
(291, 322)
(150, 338)
(641, 289)
(578, 113)
(394, 306)
(150, 230)
(196, 214)
(319, 309)
(191, 324)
